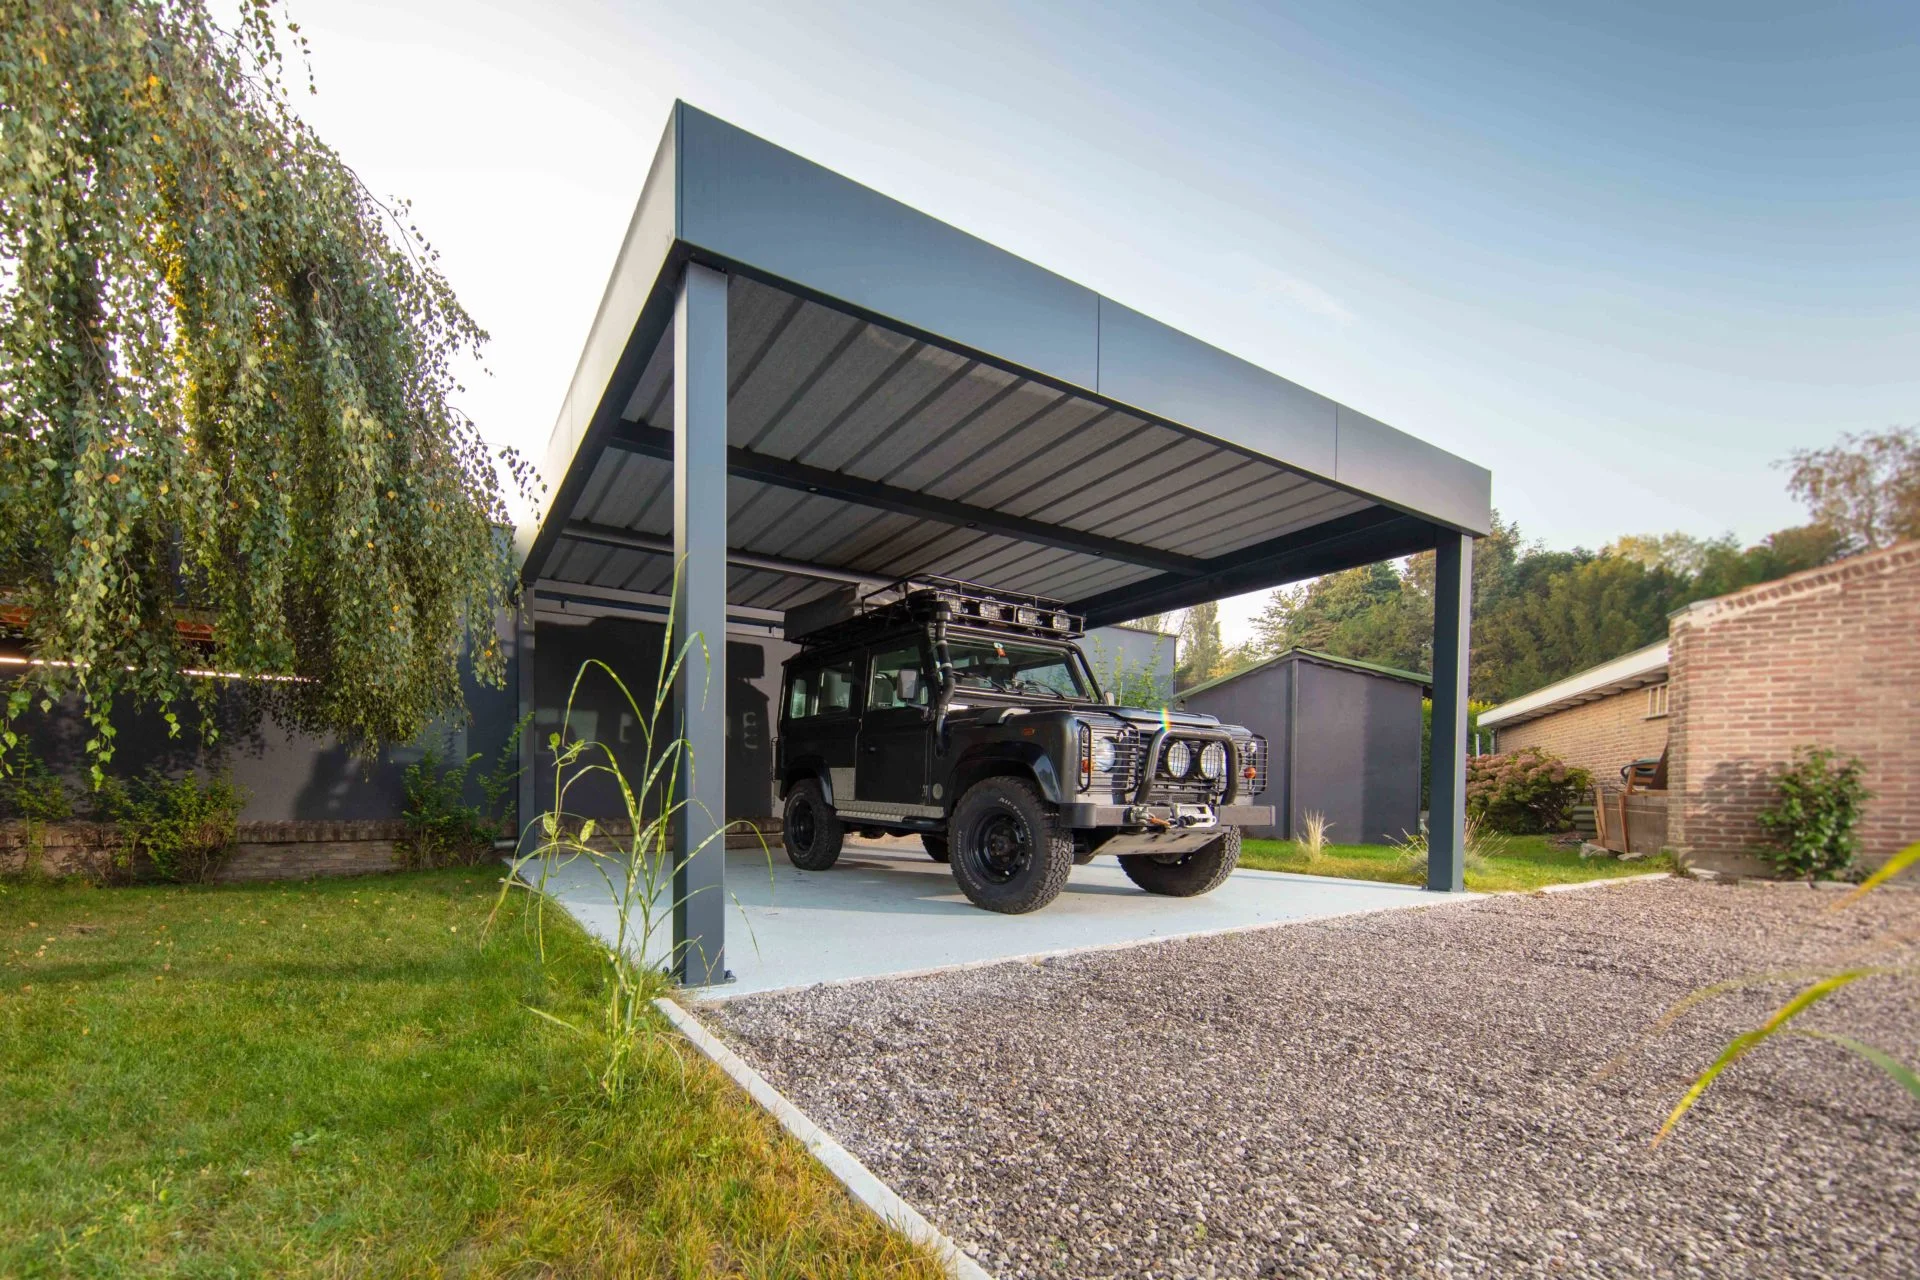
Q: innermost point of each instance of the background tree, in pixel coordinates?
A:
(226, 430)
(1200, 652)
(1866, 486)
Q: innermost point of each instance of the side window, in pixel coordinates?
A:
(898, 680)
(821, 690)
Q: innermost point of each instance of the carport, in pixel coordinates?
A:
(793, 383)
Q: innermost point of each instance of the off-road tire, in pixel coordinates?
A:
(809, 828)
(936, 846)
(1010, 852)
(1200, 871)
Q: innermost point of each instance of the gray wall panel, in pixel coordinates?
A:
(1351, 749)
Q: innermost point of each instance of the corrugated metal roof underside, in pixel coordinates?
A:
(814, 386)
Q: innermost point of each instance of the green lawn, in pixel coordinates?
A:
(342, 1079)
(1523, 862)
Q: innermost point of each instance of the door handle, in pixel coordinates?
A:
(872, 751)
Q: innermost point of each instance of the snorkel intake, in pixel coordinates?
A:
(949, 680)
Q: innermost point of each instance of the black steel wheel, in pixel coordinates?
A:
(1186, 875)
(809, 828)
(1009, 851)
(936, 846)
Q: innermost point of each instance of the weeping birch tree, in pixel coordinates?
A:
(227, 432)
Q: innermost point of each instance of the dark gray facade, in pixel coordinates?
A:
(601, 712)
(1344, 741)
(287, 775)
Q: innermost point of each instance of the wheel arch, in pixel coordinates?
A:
(1025, 760)
(801, 770)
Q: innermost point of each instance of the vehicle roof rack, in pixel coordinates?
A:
(927, 597)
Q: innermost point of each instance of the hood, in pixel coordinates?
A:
(1141, 718)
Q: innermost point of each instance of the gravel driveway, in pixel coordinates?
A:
(1406, 1093)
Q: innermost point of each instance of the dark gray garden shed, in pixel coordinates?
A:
(794, 383)
(1344, 739)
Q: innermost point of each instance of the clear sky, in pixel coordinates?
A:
(1625, 255)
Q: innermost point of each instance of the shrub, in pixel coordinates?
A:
(1813, 820)
(1524, 792)
(184, 825)
(36, 796)
(443, 830)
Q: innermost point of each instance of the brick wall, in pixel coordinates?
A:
(1599, 736)
(1829, 657)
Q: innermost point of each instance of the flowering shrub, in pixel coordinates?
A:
(1525, 791)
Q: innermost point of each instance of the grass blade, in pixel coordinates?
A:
(1740, 1045)
(1903, 1075)
(1894, 866)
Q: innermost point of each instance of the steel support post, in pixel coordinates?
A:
(526, 793)
(700, 621)
(1452, 625)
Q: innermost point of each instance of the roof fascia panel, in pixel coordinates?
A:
(635, 312)
(758, 205)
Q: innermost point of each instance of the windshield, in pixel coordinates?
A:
(1009, 666)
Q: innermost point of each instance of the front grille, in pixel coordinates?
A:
(1190, 787)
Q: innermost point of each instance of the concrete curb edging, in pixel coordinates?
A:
(1603, 880)
(879, 1198)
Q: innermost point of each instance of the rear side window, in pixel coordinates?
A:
(820, 691)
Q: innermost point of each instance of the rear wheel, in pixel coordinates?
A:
(809, 828)
(1187, 875)
(935, 845)
(1010, 852)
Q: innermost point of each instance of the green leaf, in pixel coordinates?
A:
(1894, 866)
(1741, 1044)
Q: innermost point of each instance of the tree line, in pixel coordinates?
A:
(1542, 614)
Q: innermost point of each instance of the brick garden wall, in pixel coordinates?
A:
(1599, 736)
(1828, 657)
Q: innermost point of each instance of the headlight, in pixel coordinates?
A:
(1179, 756)
(1213, 761)
(1103, 754)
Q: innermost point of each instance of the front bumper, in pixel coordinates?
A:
(1082, 816)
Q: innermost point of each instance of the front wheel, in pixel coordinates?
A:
(809, 828)
(1186, 875)
(1009, 850)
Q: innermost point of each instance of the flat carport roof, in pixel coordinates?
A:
(809, 383)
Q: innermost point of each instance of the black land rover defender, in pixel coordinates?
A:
(970, 717)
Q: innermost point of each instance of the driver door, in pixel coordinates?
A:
(896, 731)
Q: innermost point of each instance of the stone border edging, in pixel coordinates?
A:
(879, 1199)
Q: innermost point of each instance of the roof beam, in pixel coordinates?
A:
(1378, 533)
(656, 545)
(654, 442)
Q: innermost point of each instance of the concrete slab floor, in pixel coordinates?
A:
(887, 909)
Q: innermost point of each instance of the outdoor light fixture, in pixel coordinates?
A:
(1213, 761)
(1103, 754)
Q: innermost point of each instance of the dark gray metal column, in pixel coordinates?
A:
(1452, 624)
(700, 616)
(526, 794)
